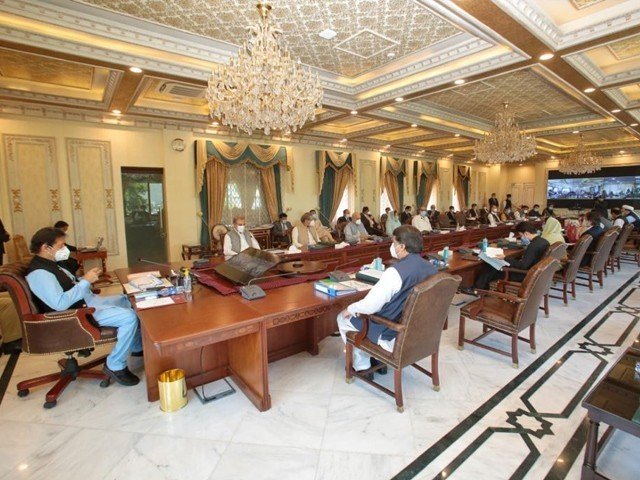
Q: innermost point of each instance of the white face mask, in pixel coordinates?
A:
(358, 222)
(392, 249)
(312, 223)
(240, 228)
(62, 254)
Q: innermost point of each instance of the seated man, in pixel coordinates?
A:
(55, 289)
(10, 328)
(507, 215)
(370, 223)
(535, 211)
(619, 220)
(387, 297)
(593, 221)
(346, 216)
(451, 215)
(384, 218)
(522, 213)
(493, 217)
(421, 221)
(355, 232)
(433, 214)
(548, 211)
(535, 251)
(71, 264)
(632, 216)
(472, 213)
(304, 234)
(281, 229)
(239, 238)
(406, 215)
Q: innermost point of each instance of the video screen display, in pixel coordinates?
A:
(613, 188)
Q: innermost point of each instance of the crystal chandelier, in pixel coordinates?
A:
(263, 88)
(505, 143)
(581, 160)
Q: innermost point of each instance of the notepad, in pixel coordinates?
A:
(154, 302)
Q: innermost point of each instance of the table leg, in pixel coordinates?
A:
(248, 366)
(591, 451)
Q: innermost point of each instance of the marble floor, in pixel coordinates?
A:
(489, 420)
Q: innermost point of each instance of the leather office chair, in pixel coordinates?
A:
(419, 329)
(616, 251)
(599, 258)
(70, 332)
(631, 251)
(461, 219)
(567, 275)
(218, 232)
(17, 250)
(510, 314)
(443, 222)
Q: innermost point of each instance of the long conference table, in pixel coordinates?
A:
(214, 336)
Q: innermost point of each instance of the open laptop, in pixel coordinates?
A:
(247, 265)
(93, 249)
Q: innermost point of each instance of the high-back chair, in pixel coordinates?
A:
(70, 332)
(599, 258)
(567, 275)
(443, 222)
(508, 313)
(461, 219)
(18, 250)
(419, 329)
(616, 250)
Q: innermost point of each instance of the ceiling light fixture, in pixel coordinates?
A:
(460, 81)
(633, 124)
(387, 146)
(622, 152)
(116, 112)
(579, 161)
(457, 135)
(328, 34)
(399, 99)
(263, 88)
(135, 69)
(215, 124)
(616, 110)
(343, 140)
(354, 112)
(414, 125)
(589, 90)
(546, 56)
(575, 132)
(505, 143)
(421, 151)
(391, 55)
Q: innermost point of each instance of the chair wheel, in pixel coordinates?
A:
(349, 380)
(400, 409)
(105, 383)
(48, 405)
(23, 393)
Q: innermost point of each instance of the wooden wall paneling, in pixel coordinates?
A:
(34, 191)
(92, 198)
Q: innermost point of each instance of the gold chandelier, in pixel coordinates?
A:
(263, 88)
(579, 161)
(505, 143)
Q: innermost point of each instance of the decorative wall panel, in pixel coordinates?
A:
(91, 182)
(34, 193)
(367, 184)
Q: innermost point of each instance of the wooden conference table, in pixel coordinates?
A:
(214, 336)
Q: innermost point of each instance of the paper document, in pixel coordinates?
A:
(494, 251)
(496, 263)
(133, 276)
(360, 286)
(143, 284)
(154, 302)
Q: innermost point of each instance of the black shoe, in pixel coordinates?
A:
(138, 354)
(375, 363)
(85, 352)
(368, 376)
(123, 377)
(468, 291)
(12, 347)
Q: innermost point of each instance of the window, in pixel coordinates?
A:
(454, 199)
(244, 196)
(385, 202)
(345, 203)
(433, 197)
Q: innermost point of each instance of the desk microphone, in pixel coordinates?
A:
(254, 292)
(340, 276)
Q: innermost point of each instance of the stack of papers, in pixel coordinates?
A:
(334, 289)
(494, 252)
(141, 282)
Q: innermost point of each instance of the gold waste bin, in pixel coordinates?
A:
(172, 387)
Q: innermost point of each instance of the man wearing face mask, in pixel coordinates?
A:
(421, 221)
(493, 217)
(354, 232)
(406, 216)
(433, 214)
(370, 223)
(281, 229)
(387, 297)
(239, 238)
(304, 234)
(548, 211)
(346, 216)
(55, 289)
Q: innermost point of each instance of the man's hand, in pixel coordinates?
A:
(92, 275)
(345, 313)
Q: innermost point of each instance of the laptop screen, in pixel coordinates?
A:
(247, 265)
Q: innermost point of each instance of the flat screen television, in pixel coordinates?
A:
(619, 185)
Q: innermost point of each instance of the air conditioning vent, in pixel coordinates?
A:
(181, 90)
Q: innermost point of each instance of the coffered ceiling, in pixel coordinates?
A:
(388, 75)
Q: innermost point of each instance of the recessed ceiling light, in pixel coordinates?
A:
(622, 151)
(633, 124)
(398, 99)
(457, 135)
(215, 124)
(117, 112)
(576, 131)
(343, 140)
(328, 34)
(414, 125)
(135, 69)
(421, 151)
(553, 156)
(589, 90)
(354, 112)
(387, 146)
(546, 56)
(460, 81)
(520, 165)
(391, 55)
(615, 110)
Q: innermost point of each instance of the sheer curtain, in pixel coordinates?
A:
(244, 196)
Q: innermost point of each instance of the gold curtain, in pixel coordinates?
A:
(461, 174)
(431, 181)
(391, 185)
(343, 177)
(268, 181)
(216, 178)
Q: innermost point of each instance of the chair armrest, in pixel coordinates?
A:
(503, 296)
(78, 316)
(396, 327)
(514, 270)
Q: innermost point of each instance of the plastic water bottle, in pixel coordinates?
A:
(485, 244)
(445, 255)
(186, 285)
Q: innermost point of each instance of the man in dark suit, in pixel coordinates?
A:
(493, 201)
(4, 237)
(535, 211)
(535, 251)
(406, 216)
(281, 229)
(595, 230)
(370, 224)
(433, 215)
(451, 215)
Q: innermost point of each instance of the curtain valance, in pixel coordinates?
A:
(336, 161)
(232, 153)
(393, 172)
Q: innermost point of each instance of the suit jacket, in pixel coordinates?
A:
(433, 215)
(595, 231)
(534, 252)
(278, 229)
(451, 217)
(343, 219)
(405, 218)
(493, 201)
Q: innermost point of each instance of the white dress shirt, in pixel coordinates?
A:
(618, 222)
(494, 219)
(243, 244)
(421, 223)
